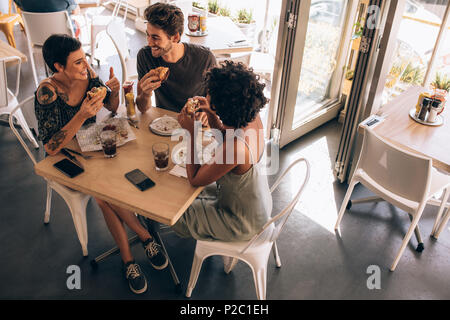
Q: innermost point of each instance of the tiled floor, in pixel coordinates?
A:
(316, 263)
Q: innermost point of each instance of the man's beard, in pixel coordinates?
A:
(162, 51)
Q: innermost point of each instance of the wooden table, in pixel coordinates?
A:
(221, 32)
(104, 178)
(401, 130)
(7, 51)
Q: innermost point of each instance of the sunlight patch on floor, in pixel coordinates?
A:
(318, 200)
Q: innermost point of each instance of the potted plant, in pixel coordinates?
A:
(224, 11)
(244, 20)
(213, 6)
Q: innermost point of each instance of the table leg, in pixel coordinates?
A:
(154, 228)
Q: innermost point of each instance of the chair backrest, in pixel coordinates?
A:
(399, 171)
(27, 107)
(116, 31)
(3, 85)
(277, 222)
(116, 9)
(40, 25)
(4, 79)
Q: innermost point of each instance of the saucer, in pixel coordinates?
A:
(196, 33)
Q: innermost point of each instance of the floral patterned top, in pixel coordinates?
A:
(54, 116)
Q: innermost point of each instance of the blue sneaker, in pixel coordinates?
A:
(157, 258)
(136, 278)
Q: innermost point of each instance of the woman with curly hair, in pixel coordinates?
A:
(241, 202)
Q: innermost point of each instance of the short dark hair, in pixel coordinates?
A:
(236, 94)
(57, 48)
(168, 17)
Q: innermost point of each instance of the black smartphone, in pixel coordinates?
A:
(139, 179)
(69, 168)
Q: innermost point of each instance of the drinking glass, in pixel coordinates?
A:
(161, 156)
(108, 139)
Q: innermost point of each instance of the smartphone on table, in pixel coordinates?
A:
(69, 168)
(139, 179)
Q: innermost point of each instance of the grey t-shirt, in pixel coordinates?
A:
(186, 78)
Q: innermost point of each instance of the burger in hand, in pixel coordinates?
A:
(97, 91)
(193, 105)
(163, 73)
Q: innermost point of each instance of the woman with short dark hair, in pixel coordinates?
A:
(241, 203)
(62, 107)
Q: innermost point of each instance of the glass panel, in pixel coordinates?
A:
(323, 40)
(415, 42)
(442, 64)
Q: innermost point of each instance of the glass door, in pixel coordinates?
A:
(310, 79)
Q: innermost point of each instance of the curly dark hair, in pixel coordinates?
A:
(236, 94)
(168, 17)
(57, 48)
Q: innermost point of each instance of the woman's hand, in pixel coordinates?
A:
(204, 104)
(113, 83)
(205, 109)
(91, 106)
(186, 120)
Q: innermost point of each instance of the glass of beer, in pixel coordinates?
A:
(161, 156)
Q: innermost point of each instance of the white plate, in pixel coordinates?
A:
(439, 120)
(164, 126)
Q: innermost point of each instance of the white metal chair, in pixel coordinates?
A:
(99, 23)
(255, 252)
(402, 178)
(39, 26)
(8, 99)
(76, 201)
(116, 31)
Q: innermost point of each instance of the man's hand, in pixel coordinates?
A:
(113, 83)
(149, 82)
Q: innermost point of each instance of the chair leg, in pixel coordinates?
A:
(48, 204)
(408, 235)
(441, 210)
(276, 256)
(442, 224)
(344, 203)
(260, 276)
(78, 211)
(9, 33)
(195, 270)
(23, 123)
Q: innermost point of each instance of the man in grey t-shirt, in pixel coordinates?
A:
(187, 63)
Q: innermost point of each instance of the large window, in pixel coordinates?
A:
(415, 42)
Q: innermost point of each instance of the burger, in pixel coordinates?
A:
(163, 73)
(192, 106)
(97, 91)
